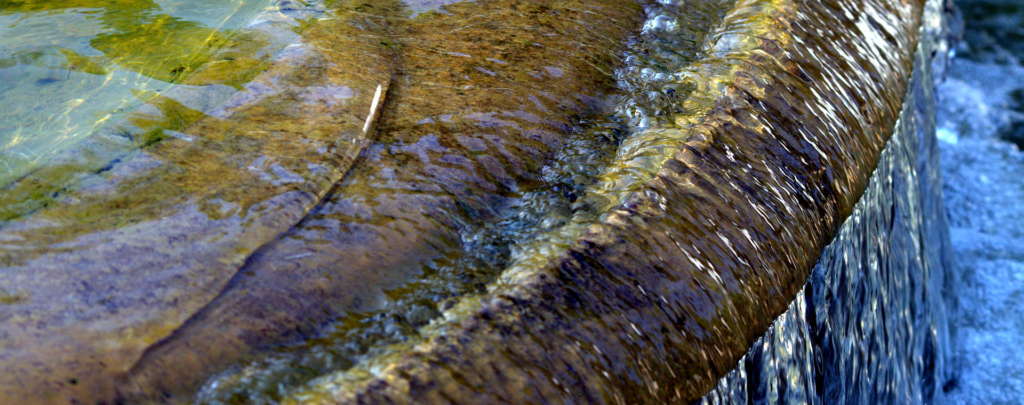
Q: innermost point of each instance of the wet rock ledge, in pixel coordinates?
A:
(735, 151)
(710, 223)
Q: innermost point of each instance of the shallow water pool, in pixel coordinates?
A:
(69, 68)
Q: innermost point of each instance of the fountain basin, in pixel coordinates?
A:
(740, 164)
(809, 171)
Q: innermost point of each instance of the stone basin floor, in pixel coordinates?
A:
(980, 112)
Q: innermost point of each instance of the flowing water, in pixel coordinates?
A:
(872, 327)
(877, 321)
(538, 214)
(643, 185)
(203, 194)
(68, 68)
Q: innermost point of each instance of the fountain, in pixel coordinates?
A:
(581, 201)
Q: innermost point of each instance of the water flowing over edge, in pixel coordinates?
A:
(770, 154)
(875, 322)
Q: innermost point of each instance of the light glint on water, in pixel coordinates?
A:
(67, 68)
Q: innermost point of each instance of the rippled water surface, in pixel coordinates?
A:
(669, 259)
(202, 229)
(532, 215)
(68, 68)
(878, 321)
(329, 190)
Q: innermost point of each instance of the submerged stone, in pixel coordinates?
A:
(571, 200)
(700, 233)
(473, 116)
(183, 250)
(69, 68)
(115, 244)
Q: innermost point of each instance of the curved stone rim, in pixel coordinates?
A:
(489, 341)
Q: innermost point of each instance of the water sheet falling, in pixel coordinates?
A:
(707, 224)
(743, 147)
(875, 323)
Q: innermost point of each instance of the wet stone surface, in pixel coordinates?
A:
(589, 200)
(877, 322)
(202, 233)
(644, 279)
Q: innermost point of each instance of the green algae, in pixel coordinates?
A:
(93, 65)
(140, 228)
(11, 299)
(81, 75)
(138, 37)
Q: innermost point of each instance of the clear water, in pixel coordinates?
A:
(68, 68)
(179, 187)
(509, 184)
(877, 323)
(607, 321)
(196, 216)
(540, 213)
